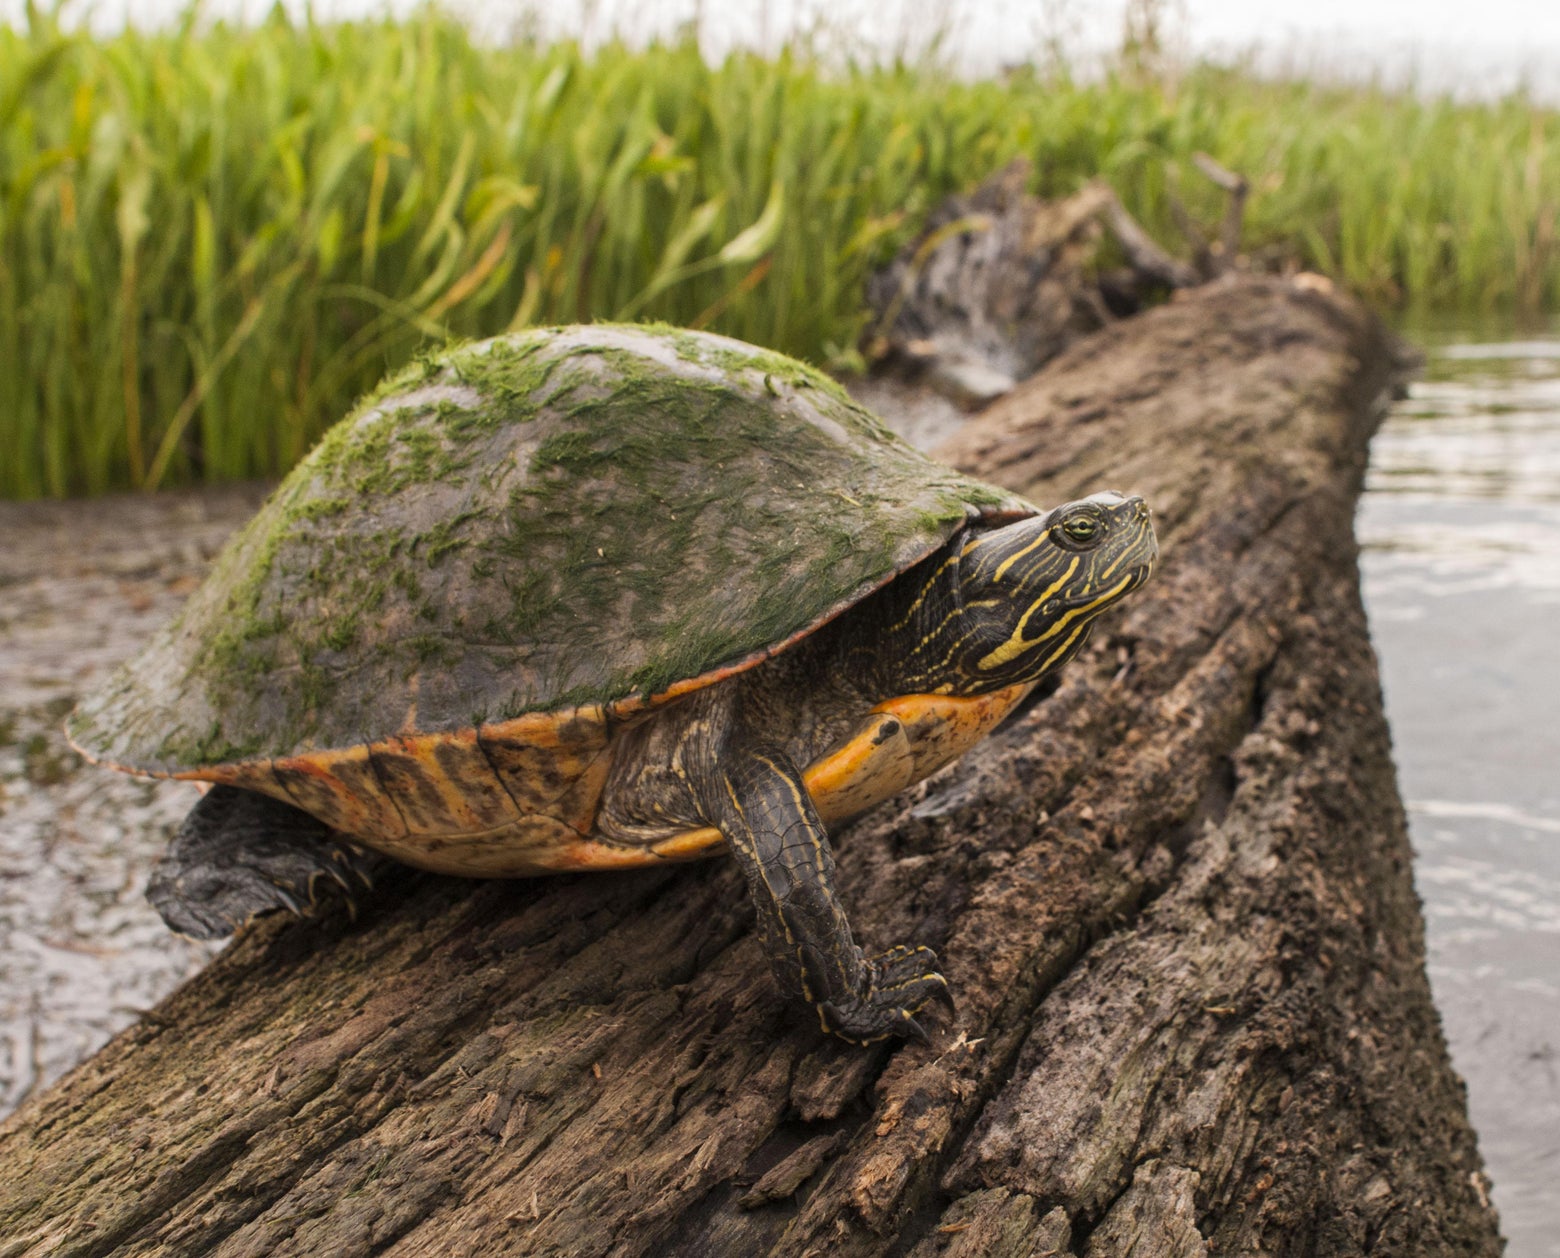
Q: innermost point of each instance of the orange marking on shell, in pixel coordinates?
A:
(558, 767)
(442, 784)
(941, 728)
(689, 845)
(342, 789)
(578, 805)
(875, 763)
(539, 831)
(589, 854)
(534, 844)
(551, 729)
(903, 740)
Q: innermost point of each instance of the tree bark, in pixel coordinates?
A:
(1172, 897)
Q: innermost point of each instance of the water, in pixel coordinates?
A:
(1461, 533)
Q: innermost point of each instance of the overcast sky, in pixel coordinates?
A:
(1473, 46)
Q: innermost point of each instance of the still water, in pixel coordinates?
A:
(1460, 530)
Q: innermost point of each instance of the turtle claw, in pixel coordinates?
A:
(863, 1023)
(906, 970)
(900, 983)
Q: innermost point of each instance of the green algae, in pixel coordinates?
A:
(560, 517)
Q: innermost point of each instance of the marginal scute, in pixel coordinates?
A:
(339, 787)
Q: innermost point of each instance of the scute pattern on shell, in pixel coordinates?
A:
(545, 520)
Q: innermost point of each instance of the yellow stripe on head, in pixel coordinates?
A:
(1017, 555)
(1022, 602)
(1017, 643)
(1081, 615)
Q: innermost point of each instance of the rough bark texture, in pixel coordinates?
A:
(1172, 897)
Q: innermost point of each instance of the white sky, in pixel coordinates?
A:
(1472, 46)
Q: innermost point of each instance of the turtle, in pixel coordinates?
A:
(599, 597)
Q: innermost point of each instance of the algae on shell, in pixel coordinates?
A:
(534, 522)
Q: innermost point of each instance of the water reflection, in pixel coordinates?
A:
(1443, 445)
(1461, 533)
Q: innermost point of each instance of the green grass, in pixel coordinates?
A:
(213, 238)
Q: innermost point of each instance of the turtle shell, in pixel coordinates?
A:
(517, 537)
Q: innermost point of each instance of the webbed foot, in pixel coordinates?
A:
(239, 854)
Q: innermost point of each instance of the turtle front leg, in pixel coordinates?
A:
(760, 803)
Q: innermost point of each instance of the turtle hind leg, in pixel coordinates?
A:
(239, 854)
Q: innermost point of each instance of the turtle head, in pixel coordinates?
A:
(1033, 588)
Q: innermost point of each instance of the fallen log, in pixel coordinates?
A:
(1172, 897)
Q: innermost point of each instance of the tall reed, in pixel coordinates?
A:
(212, 238)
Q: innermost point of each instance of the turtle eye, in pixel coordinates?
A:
(1081, 528)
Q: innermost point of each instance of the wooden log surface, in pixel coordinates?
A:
(1172, 896)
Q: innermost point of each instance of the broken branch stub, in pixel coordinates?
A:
(999, 282)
